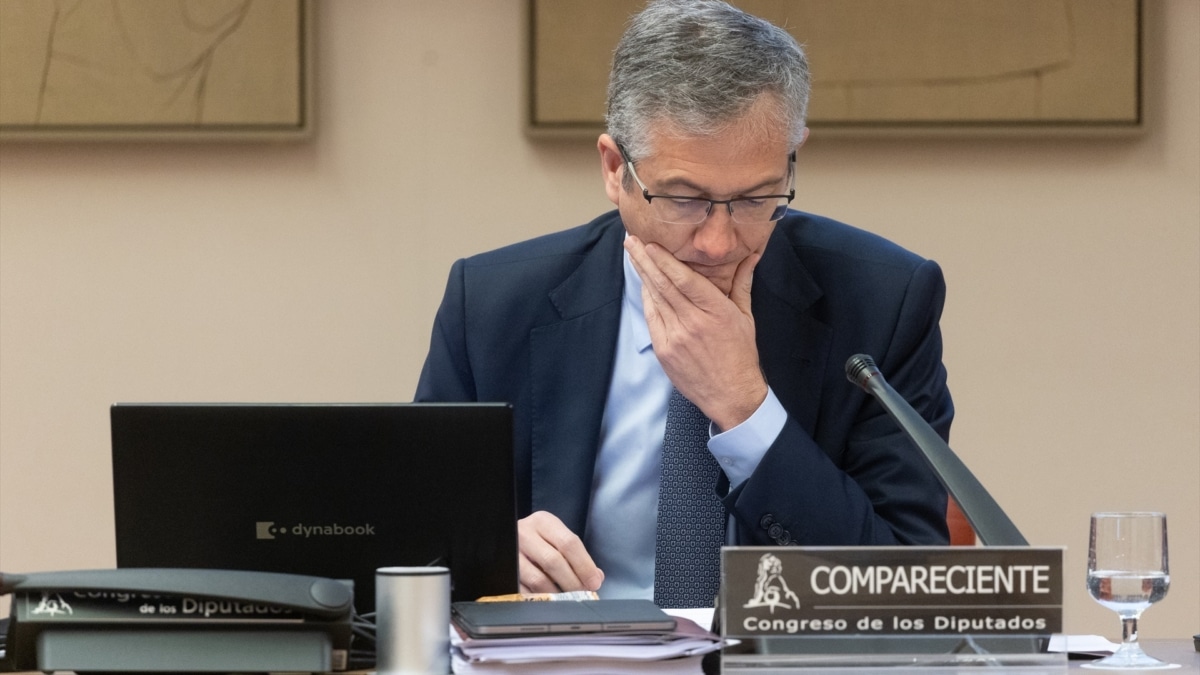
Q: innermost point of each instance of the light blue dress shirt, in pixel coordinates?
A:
(623, 514)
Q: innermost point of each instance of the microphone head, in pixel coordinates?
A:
(860, 368)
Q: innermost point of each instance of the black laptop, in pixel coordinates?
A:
(332, 490)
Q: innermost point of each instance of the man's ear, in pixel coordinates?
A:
(612, 166)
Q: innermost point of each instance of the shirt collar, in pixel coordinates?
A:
(633, 307)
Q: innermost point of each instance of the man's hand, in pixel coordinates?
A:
(704, 340)
(553, 558)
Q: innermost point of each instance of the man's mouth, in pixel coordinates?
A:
(708, 269)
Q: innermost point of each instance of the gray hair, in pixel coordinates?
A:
(698, 66)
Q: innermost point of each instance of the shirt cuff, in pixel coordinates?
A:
(739, 450)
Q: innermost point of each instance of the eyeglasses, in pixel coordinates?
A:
(695, 210)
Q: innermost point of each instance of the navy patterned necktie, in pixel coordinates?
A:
(691, 520)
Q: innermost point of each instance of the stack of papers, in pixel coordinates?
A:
(1082, 645)
(678, 651)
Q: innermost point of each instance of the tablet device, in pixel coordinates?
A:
(508, 619)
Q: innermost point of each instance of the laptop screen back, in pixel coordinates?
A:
(334, 490)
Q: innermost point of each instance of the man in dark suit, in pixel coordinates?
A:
(701, 284)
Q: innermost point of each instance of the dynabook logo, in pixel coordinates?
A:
(770, 588)
(267, 529)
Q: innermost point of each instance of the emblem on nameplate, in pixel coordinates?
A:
(771, 588)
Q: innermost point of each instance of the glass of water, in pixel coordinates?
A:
(1127, 572)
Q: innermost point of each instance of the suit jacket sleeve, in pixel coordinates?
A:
(446, 375)
(863, 481)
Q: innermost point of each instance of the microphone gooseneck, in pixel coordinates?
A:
(990, 522)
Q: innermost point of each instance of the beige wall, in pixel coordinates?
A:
(311, 273)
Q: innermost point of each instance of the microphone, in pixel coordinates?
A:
(991, 524)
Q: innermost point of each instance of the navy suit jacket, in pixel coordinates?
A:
(535, 324)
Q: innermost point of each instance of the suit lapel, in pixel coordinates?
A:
(571, 362)
(793, 346)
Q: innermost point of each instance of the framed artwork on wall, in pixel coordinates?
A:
(155, 70)
(918, 66)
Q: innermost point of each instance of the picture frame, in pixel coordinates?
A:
(149, 70)
(919, 67)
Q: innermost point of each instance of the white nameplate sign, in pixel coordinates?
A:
(769, 591)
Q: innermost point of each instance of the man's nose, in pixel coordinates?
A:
(716, 237)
